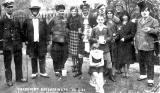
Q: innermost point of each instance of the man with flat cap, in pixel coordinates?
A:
(37, 38)
(12, 44)
(147, 29)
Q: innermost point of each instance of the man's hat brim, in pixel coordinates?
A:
(99, 6)
(8, 4)
(35, 7)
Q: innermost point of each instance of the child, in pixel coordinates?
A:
(96, 68)
(102, 35)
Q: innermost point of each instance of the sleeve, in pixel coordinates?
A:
(93, 38)
(109, 34)
(116, 19)
(21, 31)
(80, 22)
(155, 27)
(132, 28)
(67, 24)
(48, 31)
(24, 29)
(1, 29)
(90, 60)
(51, 23)
(102, 61)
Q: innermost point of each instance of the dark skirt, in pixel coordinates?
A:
(114, 53)
(126, 53)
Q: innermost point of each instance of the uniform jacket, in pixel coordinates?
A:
(43, 35)
(11, 33)
(145, 40)
(107, 36)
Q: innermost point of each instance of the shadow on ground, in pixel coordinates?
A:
(72, 85)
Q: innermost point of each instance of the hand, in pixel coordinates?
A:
(146, 29)
(102, 42)
(26, 43)
(122, 39)
(114, 34)
(145, 43)
(134, 20)
(98, 64)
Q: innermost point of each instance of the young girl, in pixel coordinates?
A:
(96, 68)
(75, 41)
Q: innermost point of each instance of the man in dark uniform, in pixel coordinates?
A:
(37, 37)
(12, 44)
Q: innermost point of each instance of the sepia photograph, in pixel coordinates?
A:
(79, 46)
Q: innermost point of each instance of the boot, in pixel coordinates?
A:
(74, 65)
(73, 68)
(111, 77)
(79, 68)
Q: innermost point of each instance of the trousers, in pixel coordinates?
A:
(17, 54)
(146, 63)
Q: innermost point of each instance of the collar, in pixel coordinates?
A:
(9, 16)
(85, 16)
(101, 26)
(35, 17)
(146, 20)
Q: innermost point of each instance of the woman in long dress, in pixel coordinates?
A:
(111, 21)
(75, 40)
(125, 36)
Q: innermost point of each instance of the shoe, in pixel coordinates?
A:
(77, 74)
(112, 78)
(33, 76)
(73, 69)
(9, 83)
(119, 72)
(44, 75)
(142, 77)
(92, 83)
(57, 74)
(22, 80)
(124, 75)
(150, 83)
(106, 73)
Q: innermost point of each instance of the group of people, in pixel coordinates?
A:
(108, 38)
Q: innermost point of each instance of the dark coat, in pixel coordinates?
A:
(43, 36)
(107, 36)
(11, 33)
(126, 50)
(145, 40)
(113, 45)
